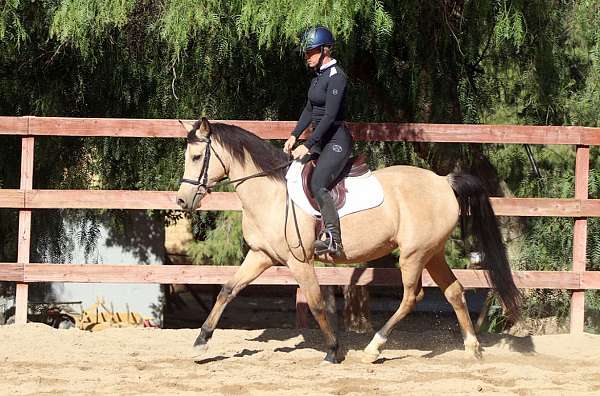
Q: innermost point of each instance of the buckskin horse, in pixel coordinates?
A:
(419, 212)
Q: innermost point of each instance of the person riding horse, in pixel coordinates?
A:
(330, 140)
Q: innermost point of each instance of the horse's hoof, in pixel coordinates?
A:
(201, 343)
(474, 351)
(372, 351)
(332, 358)
(369, 357)
(200, 349)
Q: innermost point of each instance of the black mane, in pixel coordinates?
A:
(238, 142)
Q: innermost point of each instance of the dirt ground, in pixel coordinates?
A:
(37, 359)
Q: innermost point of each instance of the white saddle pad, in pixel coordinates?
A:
(364, 192)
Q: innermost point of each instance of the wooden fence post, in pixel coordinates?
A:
(24, 243)
(582, 170)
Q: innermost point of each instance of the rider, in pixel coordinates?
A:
(330, 140)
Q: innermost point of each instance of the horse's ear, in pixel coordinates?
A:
(202, 127)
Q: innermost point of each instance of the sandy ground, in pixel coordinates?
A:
(37, 359)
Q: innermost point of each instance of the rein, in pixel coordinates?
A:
(300, 244)
(243, 179)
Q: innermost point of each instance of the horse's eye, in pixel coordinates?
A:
(196, 157)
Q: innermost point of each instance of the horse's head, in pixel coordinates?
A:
(203, 166)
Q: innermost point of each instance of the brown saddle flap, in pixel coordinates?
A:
(356, 166)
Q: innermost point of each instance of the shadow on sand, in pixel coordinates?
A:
(245, 352)
(433, 342)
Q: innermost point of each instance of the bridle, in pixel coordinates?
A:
(202, 181)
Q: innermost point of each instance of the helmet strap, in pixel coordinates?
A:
(320, 62)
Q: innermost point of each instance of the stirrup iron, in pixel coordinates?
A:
(329, 245)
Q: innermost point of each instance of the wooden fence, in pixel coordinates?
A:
(27, 199)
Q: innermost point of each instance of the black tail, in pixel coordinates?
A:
(477, 216)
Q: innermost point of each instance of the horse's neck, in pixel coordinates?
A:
(258, 195)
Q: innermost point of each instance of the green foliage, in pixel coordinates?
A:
(11, 26)
(82, 22)
(218, 238)
(275, 22)
(187, 19)
(496, 321)
(509, 28)
(592, 304)
(144, 164)
(223, 245)
(584, 50)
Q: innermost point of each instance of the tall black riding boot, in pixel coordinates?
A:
(332, 243)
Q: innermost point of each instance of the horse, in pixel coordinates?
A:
(419, 212)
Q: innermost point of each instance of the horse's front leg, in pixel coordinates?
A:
(255, 263)
(307, 279)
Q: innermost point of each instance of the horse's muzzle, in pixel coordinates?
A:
(200, 193)
(190, 203)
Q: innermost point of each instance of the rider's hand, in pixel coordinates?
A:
(300, 152)
(289, 144)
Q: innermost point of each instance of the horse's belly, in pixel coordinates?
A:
(367, 235)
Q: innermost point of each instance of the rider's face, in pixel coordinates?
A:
(312, 56)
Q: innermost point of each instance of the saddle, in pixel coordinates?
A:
(356, 166)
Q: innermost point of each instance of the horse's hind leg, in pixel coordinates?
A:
(304, 273)
(411, 266)
(453, 290)
(255, 263)
(419, 292)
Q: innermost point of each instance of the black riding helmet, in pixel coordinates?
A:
(317, 37)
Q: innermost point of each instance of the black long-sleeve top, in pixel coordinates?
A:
(325, 106)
